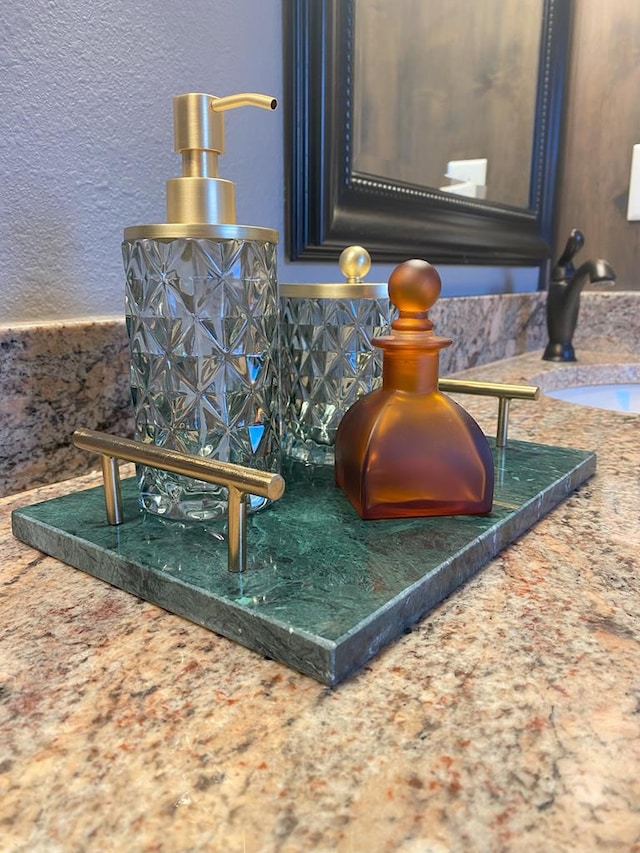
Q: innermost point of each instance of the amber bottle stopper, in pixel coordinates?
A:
(406, 449)
(414, 287)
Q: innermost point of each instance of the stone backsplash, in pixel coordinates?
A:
(57, 377)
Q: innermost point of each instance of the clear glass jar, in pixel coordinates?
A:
(328, 360)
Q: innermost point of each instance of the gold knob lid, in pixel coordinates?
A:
(355, 263)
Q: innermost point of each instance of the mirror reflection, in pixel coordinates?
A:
(445, 94)
(399, 109)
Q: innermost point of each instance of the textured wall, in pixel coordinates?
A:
(86, 142)
(85, 94)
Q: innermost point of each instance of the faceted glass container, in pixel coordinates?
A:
(204, 343)
(328, 361)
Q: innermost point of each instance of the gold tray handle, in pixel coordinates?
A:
(504, 392)
(238, 480)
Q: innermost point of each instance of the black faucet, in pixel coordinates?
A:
(563, 297)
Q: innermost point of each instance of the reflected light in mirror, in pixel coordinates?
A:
(464, 90)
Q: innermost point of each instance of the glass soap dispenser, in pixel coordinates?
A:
(406, 449)
(202, 318)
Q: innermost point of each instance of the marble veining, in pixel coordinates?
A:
(508, 720)
(323, 605)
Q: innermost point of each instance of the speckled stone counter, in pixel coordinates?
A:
(507, 720)
(54, 378)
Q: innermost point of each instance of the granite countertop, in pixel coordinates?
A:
(507, 720)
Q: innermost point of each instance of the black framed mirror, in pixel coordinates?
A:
(337, 195)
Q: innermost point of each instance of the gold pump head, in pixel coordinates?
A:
(200, 202)
(200, 195)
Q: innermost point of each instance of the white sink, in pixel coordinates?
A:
(618, 397)
(615, 387)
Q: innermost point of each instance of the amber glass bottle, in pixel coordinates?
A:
(406, 449)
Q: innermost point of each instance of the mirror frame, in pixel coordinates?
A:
(329, 205)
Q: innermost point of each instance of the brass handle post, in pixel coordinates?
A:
(237, 479)
(504, 392)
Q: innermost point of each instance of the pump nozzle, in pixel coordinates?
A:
(200, 195)
(247, 99)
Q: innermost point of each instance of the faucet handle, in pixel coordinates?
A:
(574, 244)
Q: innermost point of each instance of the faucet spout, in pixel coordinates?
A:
(563, 299)
(598, 271)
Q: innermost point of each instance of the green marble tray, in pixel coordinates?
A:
(324, 591)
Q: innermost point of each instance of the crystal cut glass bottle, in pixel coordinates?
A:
(204, 344)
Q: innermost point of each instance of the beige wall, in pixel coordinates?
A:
(602, 123)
